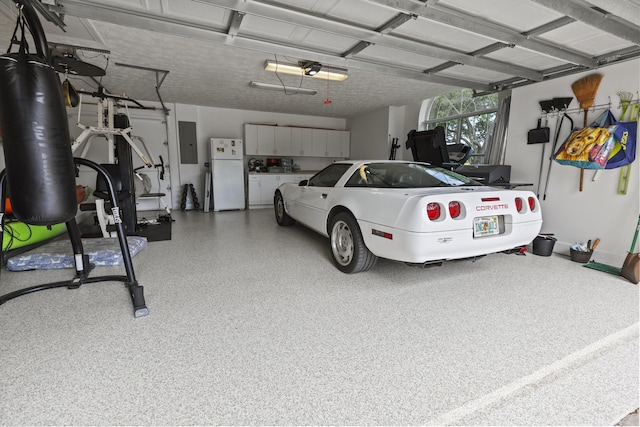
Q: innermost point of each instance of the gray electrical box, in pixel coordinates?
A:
(188, 143)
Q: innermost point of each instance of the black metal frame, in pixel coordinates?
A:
(84, 267)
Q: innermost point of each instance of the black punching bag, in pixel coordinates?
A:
(35, 132)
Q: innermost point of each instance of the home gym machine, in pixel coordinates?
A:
(40, 168)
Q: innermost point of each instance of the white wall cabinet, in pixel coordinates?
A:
(251, 140)
(319, 141)
(266, 140)
(254, 194)
(268, 185)
(282, 143)
(301, 142)
(263, 140)
(262, 187)
(259, 140)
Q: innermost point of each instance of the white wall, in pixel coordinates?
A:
(229, 123)
(597, 211)
(370, 135)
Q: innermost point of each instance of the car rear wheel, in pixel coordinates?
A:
(281, 214)
(350, 255)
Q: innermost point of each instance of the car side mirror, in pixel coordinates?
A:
(303, 183)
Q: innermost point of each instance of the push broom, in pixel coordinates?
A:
(585, 91)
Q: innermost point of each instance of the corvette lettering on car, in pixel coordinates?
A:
(406, 211)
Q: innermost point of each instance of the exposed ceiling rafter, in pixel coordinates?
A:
(582, 11)
(144, 19)
(236, 21)
(567, 69)
(474, 24)
(306, 19)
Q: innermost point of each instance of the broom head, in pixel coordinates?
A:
(631, 268)
(585, 89)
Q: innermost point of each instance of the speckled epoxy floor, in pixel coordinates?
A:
(250, 324)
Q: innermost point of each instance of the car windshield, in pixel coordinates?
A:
(328, 176)
(406, 175)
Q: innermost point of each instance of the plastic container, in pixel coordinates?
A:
(543, 245)
(580, 256)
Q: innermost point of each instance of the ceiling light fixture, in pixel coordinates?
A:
(311, 68)
(336, 74)
(289, 90)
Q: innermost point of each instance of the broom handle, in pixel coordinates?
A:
(584, 125)
(635, 237)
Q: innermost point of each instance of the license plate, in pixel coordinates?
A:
(485, 226)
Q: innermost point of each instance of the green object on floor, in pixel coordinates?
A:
(603, 267)
(17, 234)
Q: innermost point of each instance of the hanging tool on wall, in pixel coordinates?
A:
(540, 135)
(561, 105)
(585, 91)
(625, 171)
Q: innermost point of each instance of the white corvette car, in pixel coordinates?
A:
(406, 211)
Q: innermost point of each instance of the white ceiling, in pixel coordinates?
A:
(212, 49)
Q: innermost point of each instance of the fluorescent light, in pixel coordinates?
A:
(290, 90)
(326, 73)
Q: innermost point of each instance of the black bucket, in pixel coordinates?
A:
(543, 245)
(582, 257)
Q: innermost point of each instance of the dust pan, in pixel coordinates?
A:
(631, 266)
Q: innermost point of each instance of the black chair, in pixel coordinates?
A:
(431, 146)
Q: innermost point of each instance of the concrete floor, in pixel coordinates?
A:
(251, 324)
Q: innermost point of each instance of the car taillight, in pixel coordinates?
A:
(454, 209)
(433, 211)
(532, 203)
(519, 204)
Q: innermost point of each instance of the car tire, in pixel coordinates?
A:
(281, 214)
(349, 253)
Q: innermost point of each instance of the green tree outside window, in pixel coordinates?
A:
(466, 119)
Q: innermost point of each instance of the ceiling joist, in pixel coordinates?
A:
(581, 11)
(143, 19)
(474, 24)
(336, 24)
(382, 38)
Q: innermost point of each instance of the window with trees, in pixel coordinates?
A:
(466, 119)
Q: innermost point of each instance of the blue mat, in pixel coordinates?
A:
(59, 254)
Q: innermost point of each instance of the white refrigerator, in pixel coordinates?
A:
(227, 174)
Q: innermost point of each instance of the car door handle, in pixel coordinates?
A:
(324, 195)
